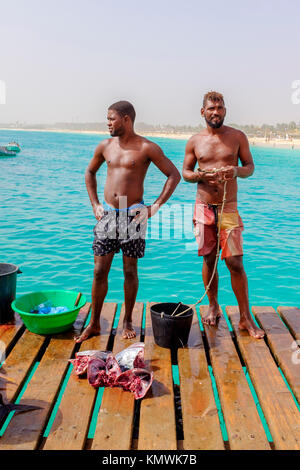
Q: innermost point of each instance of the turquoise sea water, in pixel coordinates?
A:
(47, 221)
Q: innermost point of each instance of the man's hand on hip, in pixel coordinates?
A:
(145, 213)
(98, 211)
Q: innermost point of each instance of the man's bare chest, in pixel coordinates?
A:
(216, 152)
(125, 159)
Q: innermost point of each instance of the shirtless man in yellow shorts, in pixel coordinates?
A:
(220, 148)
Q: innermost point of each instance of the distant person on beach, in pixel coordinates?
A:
(123, 215)
(219, 147)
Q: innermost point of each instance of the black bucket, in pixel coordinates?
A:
(8, 286)
(171, 332)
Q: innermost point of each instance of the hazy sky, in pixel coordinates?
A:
(68, 60)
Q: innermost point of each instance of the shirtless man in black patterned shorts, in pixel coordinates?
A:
(122, 217)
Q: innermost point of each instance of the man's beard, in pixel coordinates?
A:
(214, 125)
(116, 132)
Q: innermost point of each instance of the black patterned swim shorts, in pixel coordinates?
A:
(117, 230)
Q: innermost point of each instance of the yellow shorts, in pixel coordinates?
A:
(205, 222)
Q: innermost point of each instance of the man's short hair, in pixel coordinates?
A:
(213, 96)
(124, 108)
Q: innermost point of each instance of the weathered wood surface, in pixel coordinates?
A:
(277, 403)
(157, 416)
(48, 357)
(291, 316)
(201, 425)
(24, 431)
(9, 332)
(244, 427)
(72, 420)
(281, 344)
(18, 363)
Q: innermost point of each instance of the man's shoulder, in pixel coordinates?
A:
(196, 137)
(237, 133)
(101, 147)
(147, 144)
(104, 143)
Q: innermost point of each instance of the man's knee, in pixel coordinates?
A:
(100, 272)
(210, 259)
(235, 264)
(130, 272)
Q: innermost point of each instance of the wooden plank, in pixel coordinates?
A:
(277, 403)
(157, 416)
(201, 425)
(17, 364)
(24, 430)
(8, 332)
(280, 342)
(244, 428)
(70, 426)
(291, 316)
(115, 419)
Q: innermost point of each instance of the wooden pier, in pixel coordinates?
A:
(225, 390)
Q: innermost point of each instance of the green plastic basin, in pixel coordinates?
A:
(52, 322)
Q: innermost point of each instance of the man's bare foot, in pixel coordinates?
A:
(212, 316)
(128, 330)
(87, 333)
(249, 325)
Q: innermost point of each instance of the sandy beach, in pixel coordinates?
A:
(279, 143)
(253, 141)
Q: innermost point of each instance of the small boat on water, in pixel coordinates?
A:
(6, 153)
(10, 150)
(13, 147)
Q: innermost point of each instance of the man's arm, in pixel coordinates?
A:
(91, 180)
(189, 163)
(247, 168)
(165, 165)
(244, 154)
